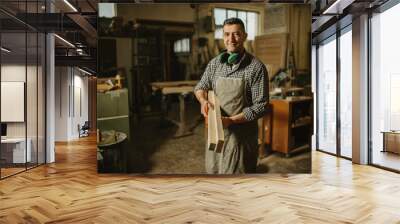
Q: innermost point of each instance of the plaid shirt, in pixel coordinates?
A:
(256, 78)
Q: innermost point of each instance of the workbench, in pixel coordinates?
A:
(181, 88)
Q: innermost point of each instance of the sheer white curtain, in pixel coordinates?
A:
(327, 96)
(346, 94)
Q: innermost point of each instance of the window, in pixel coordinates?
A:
(22, 65)
(394, 101)
(327, 96)
(182, 46)
(346, 93)
(385, 85)
(333, 61)
(250, 20)
(107, 10)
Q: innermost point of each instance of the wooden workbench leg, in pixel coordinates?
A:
(182, 130)
(182, 117)
(164, 111)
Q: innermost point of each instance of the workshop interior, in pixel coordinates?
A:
(151, 56)
(49, 56)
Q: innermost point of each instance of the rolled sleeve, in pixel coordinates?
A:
(259, 94)
(205, 81)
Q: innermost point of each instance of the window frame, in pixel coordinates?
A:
(180, 41)
(371, 14)
(334, 37)
(220, 26)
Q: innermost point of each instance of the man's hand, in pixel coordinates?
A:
(226, 121)
(205, 104)
(236, 119)
(201, 96)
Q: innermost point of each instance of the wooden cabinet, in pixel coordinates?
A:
(391, 141)
(291, 124)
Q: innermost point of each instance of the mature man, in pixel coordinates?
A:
(240, 81)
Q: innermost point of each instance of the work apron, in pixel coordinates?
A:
(239, 152)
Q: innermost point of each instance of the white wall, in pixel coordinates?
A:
(79, 117)
(13, 72)
(61, 103)
(70, 83)
(16, 73)
(33, 126)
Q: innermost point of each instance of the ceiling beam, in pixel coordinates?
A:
(84, 24)
(82, 61)
(337, 7)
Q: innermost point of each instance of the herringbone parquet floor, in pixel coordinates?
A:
(71, 191)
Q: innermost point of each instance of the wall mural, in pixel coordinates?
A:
(157, 73)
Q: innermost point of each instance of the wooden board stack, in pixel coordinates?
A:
(271, 49)
(215, 139)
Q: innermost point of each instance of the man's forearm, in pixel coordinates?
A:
(238, 118)
(256, 111)
(201, 95)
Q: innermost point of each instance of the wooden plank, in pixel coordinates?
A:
(182, 90)
(215, 128)
(293, 99)
(219, 129)
(211, 141)
(271, 49)
(160, 85)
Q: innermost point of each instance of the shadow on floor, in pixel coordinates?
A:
(157, 152)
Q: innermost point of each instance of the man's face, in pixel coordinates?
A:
(234, 37)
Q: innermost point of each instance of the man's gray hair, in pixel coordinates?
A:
(235, 20)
